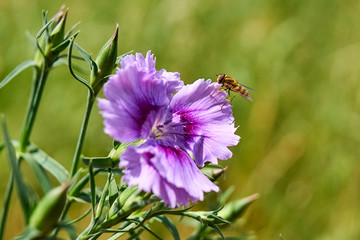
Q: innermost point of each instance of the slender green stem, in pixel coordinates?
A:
(80, 142)
(7, 198)
(40, 76)
(93, 193)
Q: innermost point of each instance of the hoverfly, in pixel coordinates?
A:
(232, 85)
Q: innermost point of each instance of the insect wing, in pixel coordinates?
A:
(247, 87)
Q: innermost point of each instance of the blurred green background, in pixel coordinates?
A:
(300, 137)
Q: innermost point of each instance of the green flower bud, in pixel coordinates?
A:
(58, 16)
(51, 45)
(57, 35)
(235, 209)
(105, 61)
(48, 210)
(213, 172)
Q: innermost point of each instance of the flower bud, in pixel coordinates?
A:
(58, 16)
(105, 62)
(58, 33)
(51, 45)
(47, 212)
(213, 172)
(235, 209)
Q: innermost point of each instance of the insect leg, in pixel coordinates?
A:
(233, 98)
(228, 92)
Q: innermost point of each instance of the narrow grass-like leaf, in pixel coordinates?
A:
(127, 193)
(92, 189)
(75, 190)
(86, 56)
(83, 197)
(80, 79)
(76, 67)
(235, 209)
(169, 225)
(117, 235)
(45, 21)
(224, 197)
(217, 229)
(113, 190)
(125, 228)
(40, 173)
(98, 162)
(48, 163)
(151, 232)
(38, 35)
(71, 232)
(31, 38)
(5, 210)
(22, 189)
(102, 199)
(71, 30)
(79, 218)
(2, 146)
(61, 46)
(21, 67)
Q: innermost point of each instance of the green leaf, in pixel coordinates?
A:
(93, 192)
(23, 190)
(75, 190)
(116, 144)
(217, 229)
(2, 146)
(98, 162)
(117, 236)
(60, 61)
(48, 163)
(113, 190)
(31, 38)
(80, 79)
(82, 197)
(40, 173)
(169, 225)
(127, 193)
(235, 209)
(21, 67)
(85, 196)
(71, 30)
(224, 197)
(79, 218)
(7, 198)
(38, 35)
(61, 46)
(87, 57)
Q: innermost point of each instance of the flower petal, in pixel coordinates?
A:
(146, 64)
(172, 79)
(135, 101)
(168, 172)
(207, 119)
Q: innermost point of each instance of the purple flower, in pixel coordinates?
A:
(207, 119)
(197, 121)
(167, 171)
